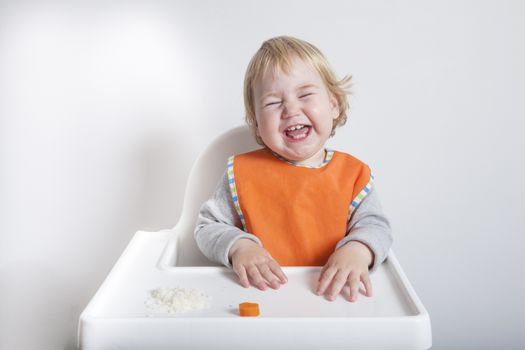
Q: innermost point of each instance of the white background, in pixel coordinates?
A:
(104, 107)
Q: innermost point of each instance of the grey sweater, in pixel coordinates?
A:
(219, 226)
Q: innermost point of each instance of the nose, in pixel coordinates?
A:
(291, 108)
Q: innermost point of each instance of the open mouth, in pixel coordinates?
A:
(297, 132)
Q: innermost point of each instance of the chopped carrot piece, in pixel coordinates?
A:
(249, 309)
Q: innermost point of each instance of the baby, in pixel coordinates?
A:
(294, 202)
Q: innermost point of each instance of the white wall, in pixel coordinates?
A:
(103, 108)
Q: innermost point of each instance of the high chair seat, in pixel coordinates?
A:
(292, 317)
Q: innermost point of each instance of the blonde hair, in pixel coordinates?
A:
(276, 55)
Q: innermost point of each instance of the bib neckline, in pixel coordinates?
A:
(329, 153)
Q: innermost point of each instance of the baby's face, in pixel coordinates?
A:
(295, 113)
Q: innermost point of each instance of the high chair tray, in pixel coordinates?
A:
(292, 317)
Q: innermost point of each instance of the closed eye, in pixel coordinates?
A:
(272, 103)
(306, 95)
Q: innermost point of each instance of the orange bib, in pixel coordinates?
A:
(298, 213)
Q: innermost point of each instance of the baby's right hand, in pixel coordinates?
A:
(252, 263)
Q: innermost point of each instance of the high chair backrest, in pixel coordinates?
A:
(202, 181)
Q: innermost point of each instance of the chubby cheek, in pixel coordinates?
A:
(268, 129)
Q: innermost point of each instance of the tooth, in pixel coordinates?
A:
(296, 127)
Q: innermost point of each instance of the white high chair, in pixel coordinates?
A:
(202, 181)
(292, 317)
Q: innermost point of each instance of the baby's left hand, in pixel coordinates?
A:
(347, 265)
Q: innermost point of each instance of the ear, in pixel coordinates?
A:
(334, 107)
(257, 129)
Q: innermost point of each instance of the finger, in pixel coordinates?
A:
(353, 283)
(338, 283)
(365, 278)
(325, 279)
(268, 275)
(323, 269)
(255, 277)
(243, 277)
(277, 271)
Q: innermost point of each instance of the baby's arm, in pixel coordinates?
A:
(369, 225)
(218, 225)
(220, 237)
(365, 247)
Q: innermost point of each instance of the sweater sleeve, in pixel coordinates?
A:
(369, 225)
(218, 225)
